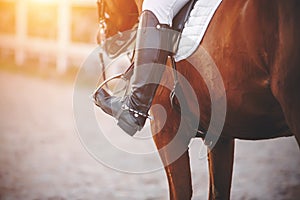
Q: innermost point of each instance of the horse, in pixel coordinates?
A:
(256, 46)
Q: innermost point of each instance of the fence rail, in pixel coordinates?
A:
(62, 46)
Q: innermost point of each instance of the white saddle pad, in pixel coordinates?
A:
(195, 27)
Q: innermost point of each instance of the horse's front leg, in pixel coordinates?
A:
(179, 178)
(174, 155)
(220, 160)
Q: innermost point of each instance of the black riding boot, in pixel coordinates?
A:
(153, 42)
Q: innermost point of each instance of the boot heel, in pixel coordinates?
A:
(127, 128)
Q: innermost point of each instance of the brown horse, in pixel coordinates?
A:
(256, 46)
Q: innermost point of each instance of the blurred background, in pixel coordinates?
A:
(48, 33)
(42, 46)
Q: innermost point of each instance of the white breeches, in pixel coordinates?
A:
(164, 10)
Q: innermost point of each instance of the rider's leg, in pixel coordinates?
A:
(153, 47)
(164, 10)
(132, 110)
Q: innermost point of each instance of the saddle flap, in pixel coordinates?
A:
(179, 22)
(182, 16)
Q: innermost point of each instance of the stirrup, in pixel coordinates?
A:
(136, 113)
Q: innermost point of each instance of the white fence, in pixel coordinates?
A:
(62, 48)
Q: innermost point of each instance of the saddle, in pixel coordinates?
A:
(180, 19)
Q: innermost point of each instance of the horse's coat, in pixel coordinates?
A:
(256, 46)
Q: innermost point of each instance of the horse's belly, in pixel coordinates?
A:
(253, 113)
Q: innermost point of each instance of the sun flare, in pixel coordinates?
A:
(44, 1)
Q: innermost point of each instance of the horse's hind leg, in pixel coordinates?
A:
(285, 73)
(220, 160)
(286, 89)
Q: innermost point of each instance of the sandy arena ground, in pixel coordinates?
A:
(41, 156)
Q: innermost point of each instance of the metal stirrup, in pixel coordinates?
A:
(136, 113)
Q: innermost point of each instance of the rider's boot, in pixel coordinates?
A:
(153, 47)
